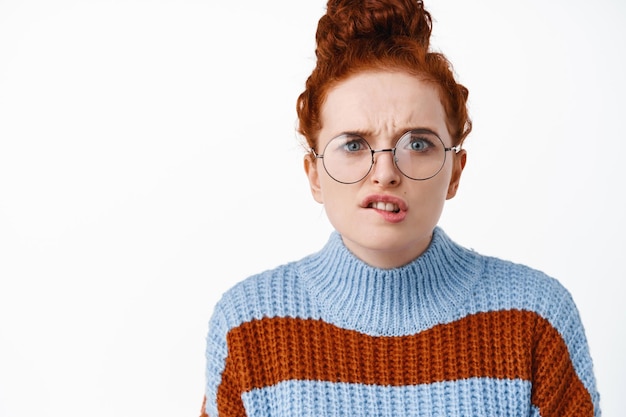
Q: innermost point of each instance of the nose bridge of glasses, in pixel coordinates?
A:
(392, 153)
(392, 150)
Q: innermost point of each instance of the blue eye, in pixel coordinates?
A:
(354, 145)
(419, 144)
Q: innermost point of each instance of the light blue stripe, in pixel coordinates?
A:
(474, 397)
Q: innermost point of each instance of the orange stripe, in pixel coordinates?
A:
(503, 344)
(203, 409)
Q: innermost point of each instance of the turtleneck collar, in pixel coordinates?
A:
(390, 302)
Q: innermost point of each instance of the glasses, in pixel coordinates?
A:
(419, 155)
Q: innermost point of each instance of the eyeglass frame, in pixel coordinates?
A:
(456, 149)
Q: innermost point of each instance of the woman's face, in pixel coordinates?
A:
(381, 106)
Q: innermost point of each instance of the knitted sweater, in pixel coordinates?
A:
(452, 333)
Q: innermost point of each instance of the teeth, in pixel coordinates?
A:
(386, 206)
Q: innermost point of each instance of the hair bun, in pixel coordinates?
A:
(348, 21)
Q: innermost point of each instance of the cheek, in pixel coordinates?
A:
(338, 199)
(435, 188)
(429, 196)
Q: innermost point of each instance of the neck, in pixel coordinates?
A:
(388, 257)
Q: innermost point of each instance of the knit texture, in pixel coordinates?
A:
(453, 333)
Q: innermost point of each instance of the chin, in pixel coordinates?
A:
(390, 243)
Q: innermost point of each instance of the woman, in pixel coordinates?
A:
(392, 317)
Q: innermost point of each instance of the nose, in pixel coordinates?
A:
(385, 172)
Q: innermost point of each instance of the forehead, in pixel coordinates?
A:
(382, 103)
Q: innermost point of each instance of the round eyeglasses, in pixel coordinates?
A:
(419, 155)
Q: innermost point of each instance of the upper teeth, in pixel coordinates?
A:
(385, 206)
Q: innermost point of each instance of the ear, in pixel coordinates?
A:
(310, 168)
(458, 162)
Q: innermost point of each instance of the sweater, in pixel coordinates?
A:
(453, 333)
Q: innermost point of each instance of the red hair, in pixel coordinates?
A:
(360, 35)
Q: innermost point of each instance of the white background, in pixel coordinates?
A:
(148, 161)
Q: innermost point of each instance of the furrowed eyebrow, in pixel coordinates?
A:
(424, 130)
(366, 134)
(360, 133)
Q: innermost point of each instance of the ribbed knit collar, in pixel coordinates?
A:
(395, 301)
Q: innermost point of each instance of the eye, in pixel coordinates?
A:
(354, 144)
(419, 143)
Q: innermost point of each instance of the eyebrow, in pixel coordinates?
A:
(368, 133)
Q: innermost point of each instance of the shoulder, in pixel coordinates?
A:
(519, 286)
(498, 284)
(518, 279)
(277, 292)
(512, 286)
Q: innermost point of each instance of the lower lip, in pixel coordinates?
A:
(390, 216)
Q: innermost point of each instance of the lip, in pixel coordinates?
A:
(392, 217)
